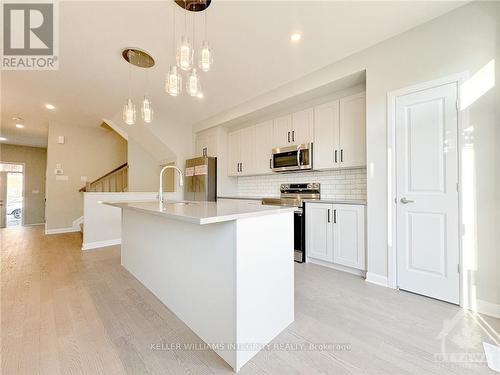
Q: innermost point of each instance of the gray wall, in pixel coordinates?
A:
(35, 161)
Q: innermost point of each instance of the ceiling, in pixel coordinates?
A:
(252, 55)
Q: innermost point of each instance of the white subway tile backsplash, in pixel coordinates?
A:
(338, 184)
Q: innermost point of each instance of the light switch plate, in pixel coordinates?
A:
(60, 139)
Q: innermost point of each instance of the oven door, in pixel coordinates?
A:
(298, 236)
(292, 158)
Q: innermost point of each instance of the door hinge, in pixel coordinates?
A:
(458, 268)
(457, 105)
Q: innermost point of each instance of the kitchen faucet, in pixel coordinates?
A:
(181, 179)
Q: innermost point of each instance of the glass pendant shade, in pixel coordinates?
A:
(205, 57)
(129, 113)
(193, 85)
(173, 83)
(147, 111)
(185, 54)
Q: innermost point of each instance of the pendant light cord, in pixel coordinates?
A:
(206, 9)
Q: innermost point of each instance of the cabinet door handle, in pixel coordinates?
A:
(288, 137)
(271, 163)
(238, 167)
(241, 167)
(328, 215)
(293, 135)
(342, 155)
(335, 216)
(336, 155)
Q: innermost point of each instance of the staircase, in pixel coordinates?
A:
(114, 181)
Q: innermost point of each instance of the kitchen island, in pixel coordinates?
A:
(224, 268)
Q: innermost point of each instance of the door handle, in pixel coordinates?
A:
(293, 135)
(342, 155)
(336, 156)
(271, 163)
(241, 167)
(298, 156)
(328, 215)
(335, 216)
(406, 201)
(288, 137)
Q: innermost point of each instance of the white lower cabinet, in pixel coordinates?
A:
(335, 233)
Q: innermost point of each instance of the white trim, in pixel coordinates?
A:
(487, 308)
(61, 230)
(116, 128)
(376, 279)
(99, 244)
(338, 267)
(462, 116)
(76, 223)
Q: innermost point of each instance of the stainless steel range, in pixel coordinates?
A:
(293, 195)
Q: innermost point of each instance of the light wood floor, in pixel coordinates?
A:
(68, 312)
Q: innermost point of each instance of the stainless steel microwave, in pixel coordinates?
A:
(292, 158)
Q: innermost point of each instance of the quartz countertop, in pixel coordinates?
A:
(336, 201)
(203, 212)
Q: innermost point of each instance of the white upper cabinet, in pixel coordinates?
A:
(247, 146)
(302, 126)
(241, 152)
(326, 135)
(340, 133)
(353, 131)
(263, 147)
(234, 153)
(282, 131)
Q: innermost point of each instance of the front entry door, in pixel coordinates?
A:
(427, 193)
(3, 198)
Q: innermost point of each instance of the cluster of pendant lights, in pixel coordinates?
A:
(184, 62)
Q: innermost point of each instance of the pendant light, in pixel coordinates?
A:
(193, 80)
(193, 85)
(205, 57)
(129, 112)
(146, 107)
(173, 82)
(185, 50)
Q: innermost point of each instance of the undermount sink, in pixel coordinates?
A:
(181, 203)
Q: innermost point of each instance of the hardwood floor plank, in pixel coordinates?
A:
(64, 311)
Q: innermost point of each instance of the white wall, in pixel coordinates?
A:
(461, 41)
(144, 169)
(87, 151)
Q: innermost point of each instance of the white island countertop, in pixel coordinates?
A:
(203, 212)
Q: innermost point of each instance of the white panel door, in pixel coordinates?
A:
(282, 131)
(247, 147)
(427, 199)
(263, 147)
(319, 231)
(353, 131)
(234, 153)
(302, 126)
(326, 135)
(349, 235)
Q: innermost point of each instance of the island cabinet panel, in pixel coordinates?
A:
(335, 234)
(231, 282)
(263, 147)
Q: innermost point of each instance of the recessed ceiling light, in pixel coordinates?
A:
(19, 126)
(50, 106)
(295, 37)
(2, 139)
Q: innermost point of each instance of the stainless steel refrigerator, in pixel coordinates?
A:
(201, 179)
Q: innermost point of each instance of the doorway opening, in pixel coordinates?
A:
(12, 194)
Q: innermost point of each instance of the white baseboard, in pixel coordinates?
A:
(76, 223)
(337, 267)
(98, 244)
(61, 230)
(488, 308)
(377, 279)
